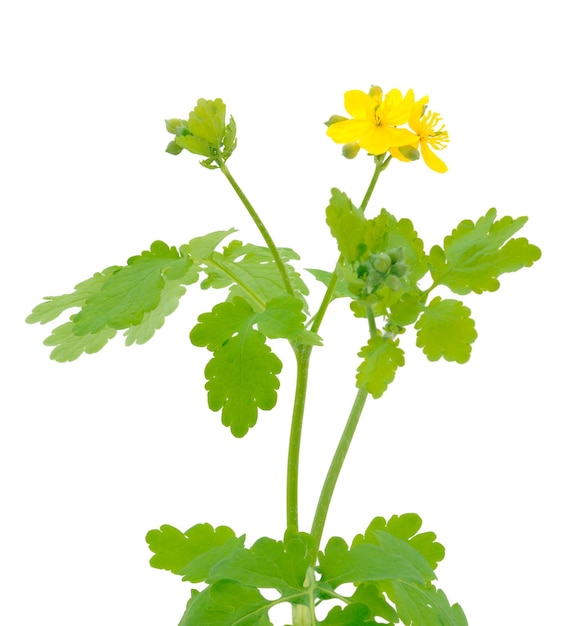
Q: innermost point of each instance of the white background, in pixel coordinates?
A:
(491, 454)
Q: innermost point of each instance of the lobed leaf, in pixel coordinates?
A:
(352, 615)
(69, 347)
(474, 255)
(191, 554)
(54, 306)
(406, 527)
(445, 329)
(420, 606)
(242, 373)
(132, 291)
(251, 273)
(387, 559)
(381, 358)
(280, 565)
(347, 225)
(227, 603)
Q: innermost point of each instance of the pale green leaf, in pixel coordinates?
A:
(347, 225)
(56, 305)
(132, 291)
(69, 347)
(381, 358)
(474, 255)
(445, 329)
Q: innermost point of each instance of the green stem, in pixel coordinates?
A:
(322, 508)
(260, 226)
(302, 362)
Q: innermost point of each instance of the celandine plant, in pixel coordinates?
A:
(389, 279)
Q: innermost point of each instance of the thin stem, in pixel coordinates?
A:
(260, 226)
(302, 361)
(322, 508)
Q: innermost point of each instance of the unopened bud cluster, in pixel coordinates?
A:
(384, 269)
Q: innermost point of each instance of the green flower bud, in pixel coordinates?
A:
(392, 282)
(334, 119)
(350, 150)
(175, 126)
(410, 153)
(375, 92)
(381, 263)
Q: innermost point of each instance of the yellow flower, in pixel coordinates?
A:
(375, 120)
(430, 135)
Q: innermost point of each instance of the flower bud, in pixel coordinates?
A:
(382, 263)
(375, 92)
(334, 119)
(350, 150)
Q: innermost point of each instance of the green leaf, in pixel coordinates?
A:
(200, 249)
(56, 305)
(406, 527)
(69, 347)
(242, 375)
(227, 603)
(385, 232)
(251, 273)
(381, 358)
(474, 255)
(374, 599)
(207, 121)
(131, 291)
(388, 559)
(193, 553)
(170, 295)
(351, 615)
(420, 606)
(445, 329)
(341, 289)
(347, 225)
(268, 564)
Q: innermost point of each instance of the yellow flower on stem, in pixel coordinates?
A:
(431, 134)
(375, 120)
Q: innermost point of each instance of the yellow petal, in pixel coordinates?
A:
(358, 103)
(349, 130)
(396, 110)
(398, 137)
(432, 160)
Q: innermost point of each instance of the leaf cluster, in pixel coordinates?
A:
(391, 567)
(383, 264)
(137, 297)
